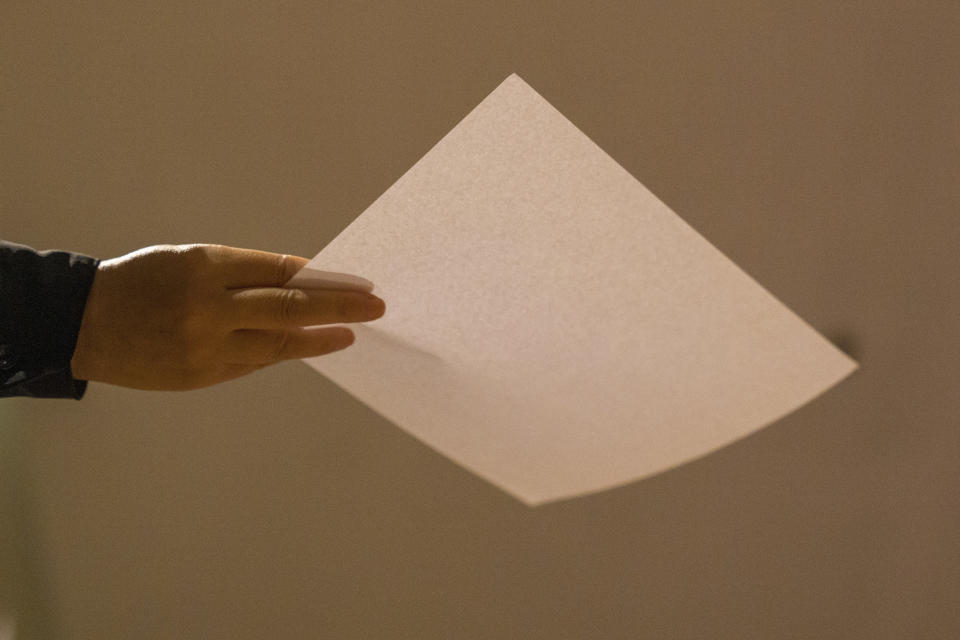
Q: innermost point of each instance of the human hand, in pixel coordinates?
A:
(179, 317)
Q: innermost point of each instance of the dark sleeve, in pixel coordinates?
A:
(42, 298)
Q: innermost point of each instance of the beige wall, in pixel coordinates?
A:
(815, 145)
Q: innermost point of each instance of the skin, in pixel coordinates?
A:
(180, 317)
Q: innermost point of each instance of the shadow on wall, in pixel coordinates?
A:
(846, 340)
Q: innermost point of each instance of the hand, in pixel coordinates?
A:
(178, 317)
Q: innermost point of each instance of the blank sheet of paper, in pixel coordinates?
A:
(551, 325)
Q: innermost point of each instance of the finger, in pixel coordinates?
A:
(255, 347)
(278, 308)
(254, 268)
(310, 278)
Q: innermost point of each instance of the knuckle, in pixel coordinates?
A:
(279, 345)
(194, 272)
(216, 253)
(291, 302)
(199, 260)
(283, 268)
(191, 295)
(193, 353)
(192, 334)
(194, 252)
(194, 319)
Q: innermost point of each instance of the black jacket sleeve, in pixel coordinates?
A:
(42, 298)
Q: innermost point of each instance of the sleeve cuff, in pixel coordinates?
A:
(45, 297)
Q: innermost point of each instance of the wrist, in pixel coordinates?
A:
(83, 361)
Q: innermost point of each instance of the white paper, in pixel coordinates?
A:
(551, 325)
(310, 278)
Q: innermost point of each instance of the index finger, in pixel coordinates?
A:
(253, 268)
(310, 278)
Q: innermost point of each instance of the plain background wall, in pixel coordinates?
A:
(815, 144)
